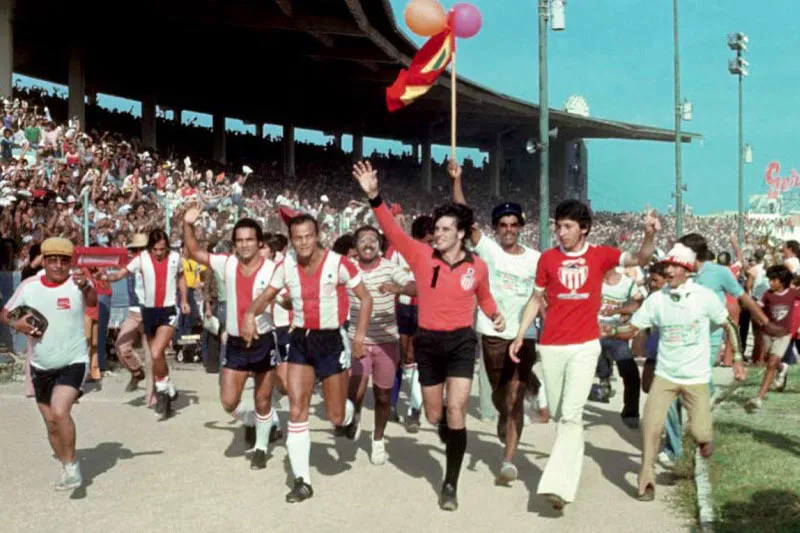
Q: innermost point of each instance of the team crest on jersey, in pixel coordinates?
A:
(63, 304)
(468, 279)
(573, 274)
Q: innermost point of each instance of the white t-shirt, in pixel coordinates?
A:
(683, 317)
(616, 297)
(64, 341)
(793, 264)
(511, 281)
(760, 283)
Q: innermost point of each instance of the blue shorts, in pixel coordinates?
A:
(615, 349)
(406, 319)
(282, 340)
(156, 317)
(259, 358)
(323, 349)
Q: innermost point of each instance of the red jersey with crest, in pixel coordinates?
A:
(572, 283)
(447, 293)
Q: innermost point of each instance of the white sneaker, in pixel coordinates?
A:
(779, 381)
(754, 403)
(378, 454)
(665, 461)
(70, 478)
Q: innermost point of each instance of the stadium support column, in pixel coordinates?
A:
(288, 150)
(496, 162)
(218, 151)
(149, 121)
(358, 146)
(427, 166)
(77, 86)
(177, 116)
(6, 47)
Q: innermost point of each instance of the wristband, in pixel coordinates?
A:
(375, 202)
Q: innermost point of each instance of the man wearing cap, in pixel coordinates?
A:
(53, 307)
(512, 271)
(684, 312)
(132, 327)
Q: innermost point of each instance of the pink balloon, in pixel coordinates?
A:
(465, 20)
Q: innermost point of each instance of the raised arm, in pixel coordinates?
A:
(454, 170)
(408, 247)
(193, 250)
(651, 227)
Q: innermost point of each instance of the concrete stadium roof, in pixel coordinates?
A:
(317, 64)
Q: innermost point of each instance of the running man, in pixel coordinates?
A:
(246, 274)
(381, 350)
(570, 279)
(317, 280)
(131, 328)
(162, 272)
(512, 268)
(449, 280)
(60, 359)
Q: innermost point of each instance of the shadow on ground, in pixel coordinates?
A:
(99, 460)
(767, 510)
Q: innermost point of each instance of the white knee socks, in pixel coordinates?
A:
(298, 443)
(263, 427)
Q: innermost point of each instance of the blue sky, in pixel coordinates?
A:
(618, 55)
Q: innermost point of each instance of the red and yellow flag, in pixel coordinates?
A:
(427, 65)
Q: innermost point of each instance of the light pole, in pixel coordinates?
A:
(738, 66)
(554, 11)
(683, 111)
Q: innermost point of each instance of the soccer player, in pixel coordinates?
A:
(317, 280)
(512, 268)
(449, 280)
(570, 278)
(60, 359)
(162, 273)
(246, 274)
(381, 350)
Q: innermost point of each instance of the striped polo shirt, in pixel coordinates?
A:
(383, 322)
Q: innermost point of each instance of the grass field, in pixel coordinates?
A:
(756, 465)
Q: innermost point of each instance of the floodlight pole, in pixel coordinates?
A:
(741, 162)
(544, 140)
(678, 117)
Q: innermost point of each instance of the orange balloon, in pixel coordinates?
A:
(425, 17)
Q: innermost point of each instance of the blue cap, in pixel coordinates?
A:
(508, 208)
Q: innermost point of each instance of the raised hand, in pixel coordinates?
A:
(454, 170)
(191, 215)
(367, 178)
(652, 224)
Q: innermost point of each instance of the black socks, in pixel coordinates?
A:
(456, 446)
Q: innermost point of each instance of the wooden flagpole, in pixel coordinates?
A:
(453, 108)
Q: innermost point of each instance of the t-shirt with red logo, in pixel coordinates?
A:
(447, 293)
(779, 306)
(572, 283)
(64, 340)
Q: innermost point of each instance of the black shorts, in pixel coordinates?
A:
(444, 354)
(156, 317)
(282, 341)
(406, 319)
(500, 369)
(260, 357)
(323, 349)
(44, 381)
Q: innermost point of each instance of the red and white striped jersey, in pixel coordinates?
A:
(394, 256)
(383, 322)
(160, 278)
(319, 299)
(241, 290)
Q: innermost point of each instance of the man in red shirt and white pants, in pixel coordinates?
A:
(570, 278)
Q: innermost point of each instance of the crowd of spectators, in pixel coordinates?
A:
(56, 176)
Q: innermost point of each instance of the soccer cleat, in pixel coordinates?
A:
(631, 422)
(447, 498)
(378, 454)
(353, 430)
(162, 398)
(259, 460)
(300, 492)
(599, 393)
(754, 404)
(412, 421)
